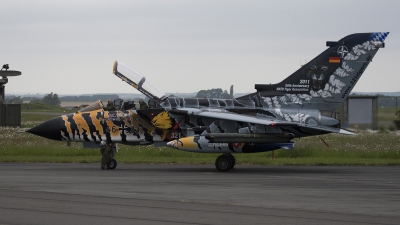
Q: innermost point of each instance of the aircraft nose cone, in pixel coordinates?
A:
(49, 129)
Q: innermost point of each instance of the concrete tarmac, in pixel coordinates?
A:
(36, 193)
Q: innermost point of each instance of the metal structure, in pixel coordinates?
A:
(359, 112)
(10, 114)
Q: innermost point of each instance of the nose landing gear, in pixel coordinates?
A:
(112, 165)
(108, 159)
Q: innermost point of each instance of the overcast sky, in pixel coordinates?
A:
(68, 47)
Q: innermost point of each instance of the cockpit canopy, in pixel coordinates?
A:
(138, 81)
(95, 106)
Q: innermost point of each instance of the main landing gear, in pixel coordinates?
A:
(110, 166)
(225, 162)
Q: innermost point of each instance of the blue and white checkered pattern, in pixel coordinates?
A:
(379, 36)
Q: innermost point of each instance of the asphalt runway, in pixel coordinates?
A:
(35, 193)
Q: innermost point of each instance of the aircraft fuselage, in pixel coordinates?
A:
(163, 125)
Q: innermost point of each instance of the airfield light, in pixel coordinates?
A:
(8, 116)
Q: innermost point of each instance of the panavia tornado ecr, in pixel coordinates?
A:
(300, 106)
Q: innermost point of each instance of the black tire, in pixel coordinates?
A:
(233, 160)
(103, 167)
(112, 164)
(224, 163)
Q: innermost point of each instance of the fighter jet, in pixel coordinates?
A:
(268, 119)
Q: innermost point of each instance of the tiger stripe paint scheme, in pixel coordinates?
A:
(301, 105)
(159, 125)
(116, 126)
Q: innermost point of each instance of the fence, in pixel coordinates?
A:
(10, 115)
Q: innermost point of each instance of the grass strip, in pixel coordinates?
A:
(367, 148)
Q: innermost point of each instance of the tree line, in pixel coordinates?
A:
(55, 100)
(215, 93)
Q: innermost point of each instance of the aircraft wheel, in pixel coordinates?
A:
(233, 160)
(113, 164)
(224, 163)
(103, 167)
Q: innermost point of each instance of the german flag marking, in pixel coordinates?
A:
(334, 59)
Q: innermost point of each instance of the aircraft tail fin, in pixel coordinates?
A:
(326, 81)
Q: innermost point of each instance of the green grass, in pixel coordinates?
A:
(42, 107)
(36, 113)
(29, 120)
(26, 107)
(363, 149)
(386, 114)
